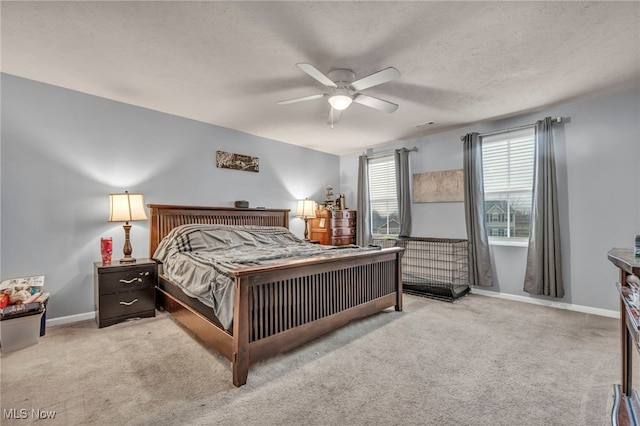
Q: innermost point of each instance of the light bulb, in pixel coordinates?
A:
(340, 102)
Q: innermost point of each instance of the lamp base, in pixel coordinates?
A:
(127, 250)
(306, 228)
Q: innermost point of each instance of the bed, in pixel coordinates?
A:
(281, 305)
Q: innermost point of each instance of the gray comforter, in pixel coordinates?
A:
(198, 258)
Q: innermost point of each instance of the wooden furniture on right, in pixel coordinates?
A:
(626, 406)
(333, 227)
(278, 307)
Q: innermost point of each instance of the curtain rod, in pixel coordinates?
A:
(384, 154)
(513, 129)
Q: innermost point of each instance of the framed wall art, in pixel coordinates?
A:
(438, 187)
(229, 160)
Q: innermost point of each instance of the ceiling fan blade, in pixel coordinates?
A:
(305, 98)
(313, 72)
(334, 116)
(376, 78)
(375, 103)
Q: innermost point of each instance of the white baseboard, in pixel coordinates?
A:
(70, 319)
(549, 303)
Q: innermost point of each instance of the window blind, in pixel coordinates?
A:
(507, 162)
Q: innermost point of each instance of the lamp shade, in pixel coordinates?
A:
(306, 208)
(126, 207)
(340, 102)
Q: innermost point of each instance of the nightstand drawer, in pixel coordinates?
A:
(127, 304)
(131, 278)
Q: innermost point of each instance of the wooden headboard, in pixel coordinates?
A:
(163, 218)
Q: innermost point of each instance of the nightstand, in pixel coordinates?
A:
(124, 290)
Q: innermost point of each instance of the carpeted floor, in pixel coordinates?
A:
(478, 361)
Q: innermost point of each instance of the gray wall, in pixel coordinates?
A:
(63, 152)
(598, 149)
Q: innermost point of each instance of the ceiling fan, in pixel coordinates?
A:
(345, 89)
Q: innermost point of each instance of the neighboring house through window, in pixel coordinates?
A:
(507, 162)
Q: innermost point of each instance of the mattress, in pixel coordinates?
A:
(200, 258)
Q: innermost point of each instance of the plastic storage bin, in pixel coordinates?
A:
(21, 332)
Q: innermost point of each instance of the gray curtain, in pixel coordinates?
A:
(404, 191)
(479, 257)
(363, 224)
(544, 267)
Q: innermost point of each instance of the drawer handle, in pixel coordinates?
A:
(131, 280)
(144, 273)
(129, 303)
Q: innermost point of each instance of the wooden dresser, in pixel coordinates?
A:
(626, 404)
(333, 227)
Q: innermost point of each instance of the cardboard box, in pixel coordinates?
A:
(21, 332)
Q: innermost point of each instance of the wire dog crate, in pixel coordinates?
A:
(433, 267)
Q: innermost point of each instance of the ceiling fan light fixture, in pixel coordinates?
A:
(340, 102)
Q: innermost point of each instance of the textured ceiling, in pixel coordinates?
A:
(229, 63)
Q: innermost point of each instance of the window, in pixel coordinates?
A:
(507, 161)
(383, 196)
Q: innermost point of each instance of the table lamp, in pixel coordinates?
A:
(306, 210)
(124, 208)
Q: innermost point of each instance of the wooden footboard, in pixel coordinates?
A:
(280, 308)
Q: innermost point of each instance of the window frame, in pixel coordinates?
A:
(388, 159)
(526, 135)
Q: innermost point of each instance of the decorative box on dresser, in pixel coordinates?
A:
(333, 227)
(124, 290)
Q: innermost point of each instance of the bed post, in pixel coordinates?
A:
(153, 229)
(399, 281)
(240, 356)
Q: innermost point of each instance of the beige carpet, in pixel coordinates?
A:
(478, 361)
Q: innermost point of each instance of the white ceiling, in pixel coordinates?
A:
(228, 62)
